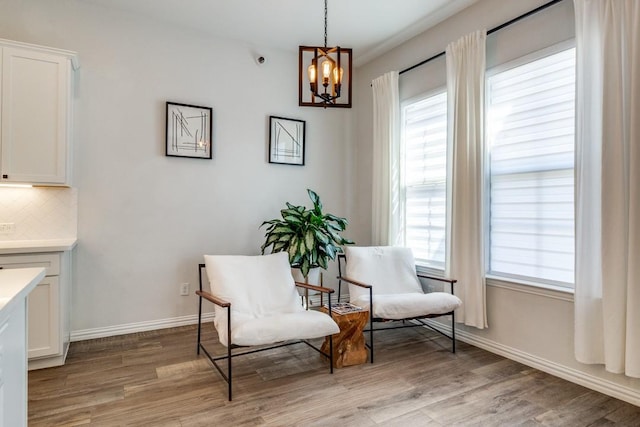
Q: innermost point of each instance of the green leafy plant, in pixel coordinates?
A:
(310, 236)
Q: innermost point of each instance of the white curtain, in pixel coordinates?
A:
(607, 294)
(386, 160)
(465, 226)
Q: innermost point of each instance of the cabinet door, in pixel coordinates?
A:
(35, 116)
(13, 367)
(44, 319)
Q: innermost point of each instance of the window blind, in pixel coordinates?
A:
(424, 125)
(530, 129)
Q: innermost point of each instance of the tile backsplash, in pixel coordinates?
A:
(39, 213)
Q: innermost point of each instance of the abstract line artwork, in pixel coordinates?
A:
(286, 141)
(189, 129)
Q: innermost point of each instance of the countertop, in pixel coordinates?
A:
(15, 285)
(33, 246)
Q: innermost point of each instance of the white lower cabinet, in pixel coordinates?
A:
(44, 319)
(13, 379)
(48, 307)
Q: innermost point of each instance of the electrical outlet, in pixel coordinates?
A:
(7, 228)
(184, 289)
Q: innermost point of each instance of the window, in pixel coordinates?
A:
(424, 166)
(530, 131)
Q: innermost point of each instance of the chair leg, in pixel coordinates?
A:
(371, 337)
(331, 353)
(229, 350)
(371, 322)
(199, 309)
(199, 325)
(453, 331)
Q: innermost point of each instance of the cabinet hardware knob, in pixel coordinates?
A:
(5, 176)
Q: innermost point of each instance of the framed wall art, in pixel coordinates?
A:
(286, 141)
(189, 129)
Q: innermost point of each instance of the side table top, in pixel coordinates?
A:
(344, 308)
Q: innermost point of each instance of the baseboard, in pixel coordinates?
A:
(592, 382)
(49, 362)
(130, 328)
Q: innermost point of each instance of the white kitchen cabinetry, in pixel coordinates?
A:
(36, 94)
(48, 307)
(15, 285)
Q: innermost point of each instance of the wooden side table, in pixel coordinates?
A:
(348, 344)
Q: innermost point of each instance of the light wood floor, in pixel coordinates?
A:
(156, 379)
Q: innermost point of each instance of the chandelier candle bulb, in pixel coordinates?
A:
(312, 73)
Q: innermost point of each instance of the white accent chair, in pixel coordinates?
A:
(256, 304)
(384, 280)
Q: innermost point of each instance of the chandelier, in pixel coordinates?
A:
(327, 78)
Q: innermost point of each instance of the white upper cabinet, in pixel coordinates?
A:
(35, 114)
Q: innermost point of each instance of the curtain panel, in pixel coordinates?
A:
(466, 65)
(386, 160)
(607, 292)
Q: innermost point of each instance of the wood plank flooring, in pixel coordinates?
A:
(156, 379)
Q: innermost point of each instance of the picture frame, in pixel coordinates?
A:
(189, 130)
(286, 141)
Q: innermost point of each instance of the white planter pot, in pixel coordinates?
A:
(313, 278)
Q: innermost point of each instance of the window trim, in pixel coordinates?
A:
(507, 280)
(434, 267)
(521, 286)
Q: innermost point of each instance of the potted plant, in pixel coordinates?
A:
(310, 236)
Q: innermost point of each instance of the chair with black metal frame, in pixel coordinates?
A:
(256, 304)
(384, 280)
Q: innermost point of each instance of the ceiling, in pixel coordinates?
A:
(369, 27)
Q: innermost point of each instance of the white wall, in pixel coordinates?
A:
(527, 324)
(145, 220)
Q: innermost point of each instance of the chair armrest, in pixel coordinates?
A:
(451, 282)
(214, 299)
(441, 279)
(315, 288)
(354, 282)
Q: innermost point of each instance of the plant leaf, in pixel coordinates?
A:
(322, 261)
(282, 229)
(321, 237)
(293, 247)
(317, 204)
(331, 252)
(309, 240)
(293, 219)
(304, 267)
(286, 212)
(271, 239)
(279, 247)
(301, 247)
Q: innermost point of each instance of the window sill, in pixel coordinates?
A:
(549, 291)
(544, 290)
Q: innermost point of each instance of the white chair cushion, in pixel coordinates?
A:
(258, 288)
(389, 269)
(289, 326)
(403, 306)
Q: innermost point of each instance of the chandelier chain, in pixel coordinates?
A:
(325, 23)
